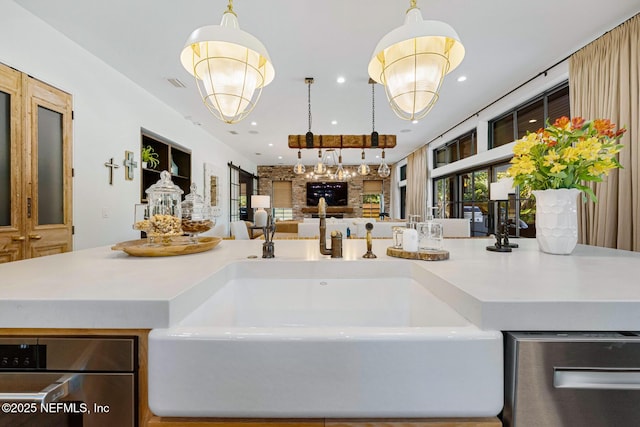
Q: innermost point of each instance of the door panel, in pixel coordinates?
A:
(12, 236)
(49, 218)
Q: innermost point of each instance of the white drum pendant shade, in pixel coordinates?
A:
(411, 62)
(230, 66)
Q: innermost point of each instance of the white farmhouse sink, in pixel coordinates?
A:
(328, 338)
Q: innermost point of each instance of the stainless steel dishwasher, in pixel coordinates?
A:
(586, 379)
(60, 381)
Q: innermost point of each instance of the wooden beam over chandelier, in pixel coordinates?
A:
(341, 141)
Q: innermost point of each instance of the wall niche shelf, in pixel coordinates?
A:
(169, 154)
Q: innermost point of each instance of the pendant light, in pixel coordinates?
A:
(320, 168)
(412, 60)
(363, 169)
(231, 67)
(341, 174)
(299, 168)
(383, 170)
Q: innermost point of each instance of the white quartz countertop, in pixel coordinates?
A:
(592, 289)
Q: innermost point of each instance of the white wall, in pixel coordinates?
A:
(109, 112)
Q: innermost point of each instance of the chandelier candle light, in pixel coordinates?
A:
(412, 60)
(230, 66)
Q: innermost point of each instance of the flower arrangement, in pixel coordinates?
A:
(566, 155)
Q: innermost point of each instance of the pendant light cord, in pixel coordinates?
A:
(309, 104)
(373, 107)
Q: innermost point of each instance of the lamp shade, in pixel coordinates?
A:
(260, 217)
(230, 66)
(411, 62)
(260, 201)
(500, 190)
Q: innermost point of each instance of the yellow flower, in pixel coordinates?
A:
(522, 166)
(558, 167)
(601, 167)
(523, 146)
(551, 158)
(570, 155)
(589, 149)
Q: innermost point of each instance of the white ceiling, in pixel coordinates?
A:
(506, 41)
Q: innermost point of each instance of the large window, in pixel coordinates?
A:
(530, 116)
(466, 195)
(458, 149)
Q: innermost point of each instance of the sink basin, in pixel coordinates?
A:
(324, 339)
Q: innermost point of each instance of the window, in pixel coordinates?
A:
(530, 116)
(282, 200)
(403, 173)
(458, 149)
(371, 198)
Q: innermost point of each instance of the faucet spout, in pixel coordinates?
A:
(336, 237)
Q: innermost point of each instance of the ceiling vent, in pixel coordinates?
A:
(175, 82)
(233, 132)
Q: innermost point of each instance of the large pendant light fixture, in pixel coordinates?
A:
(412, 60)
(230, 66)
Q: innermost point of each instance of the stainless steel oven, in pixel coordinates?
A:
(566, 379)
(60, 381)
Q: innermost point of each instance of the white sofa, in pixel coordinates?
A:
(310, 227)
(381, 229)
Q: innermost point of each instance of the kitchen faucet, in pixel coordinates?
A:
(336, 237)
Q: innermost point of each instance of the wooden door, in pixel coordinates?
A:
(12, 236)
(48, 202)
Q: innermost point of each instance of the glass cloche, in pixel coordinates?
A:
(164, 211)
(196, 215)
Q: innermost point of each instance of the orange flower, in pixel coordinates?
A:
(562, 123)
(604, 127)
(577, 122)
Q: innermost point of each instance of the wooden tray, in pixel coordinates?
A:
(140, 247)
(421, 255)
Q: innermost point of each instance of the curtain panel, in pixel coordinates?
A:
(604, 82)
(416, 203)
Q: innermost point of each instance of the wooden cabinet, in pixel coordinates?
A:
(35, 168)
(171, 157)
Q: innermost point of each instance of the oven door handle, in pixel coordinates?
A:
(51, 393)
(597, 378)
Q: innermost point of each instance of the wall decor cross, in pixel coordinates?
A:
(111, 167)
(130, 165)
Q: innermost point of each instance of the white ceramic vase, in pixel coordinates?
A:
(557, 220)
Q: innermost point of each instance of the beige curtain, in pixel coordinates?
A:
(604, 81)
(417, 183)
(372, 187)
(282, 194)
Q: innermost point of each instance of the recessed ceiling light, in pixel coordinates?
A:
(254, 124)
(258, 154)
(270, 145)
(532, 121)
(340, 79)
(279, 157)
(462, 78)
(334, 122)
(415, 122)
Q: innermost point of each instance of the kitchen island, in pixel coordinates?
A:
(99, 289)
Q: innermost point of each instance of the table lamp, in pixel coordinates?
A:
(260, 216)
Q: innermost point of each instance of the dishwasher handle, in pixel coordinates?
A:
(597, 378)
(51, 393)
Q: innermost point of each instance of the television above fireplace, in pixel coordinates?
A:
(334, 193)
